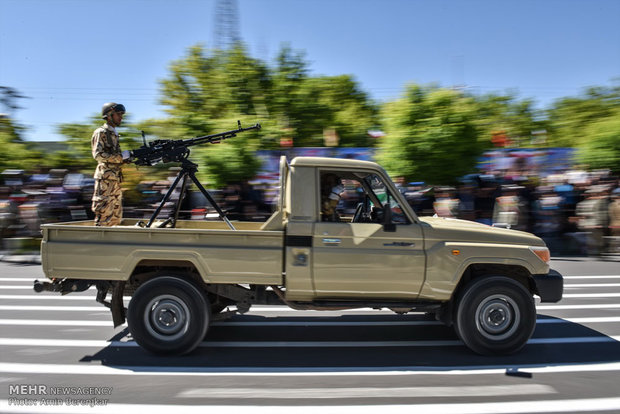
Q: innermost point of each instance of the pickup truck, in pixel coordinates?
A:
(379, 254)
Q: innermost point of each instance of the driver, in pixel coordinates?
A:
(331, 189)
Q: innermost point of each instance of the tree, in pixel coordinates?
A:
(9, 97)
(504, 114)
(431, 135)
(344, 108)
(570, 117)
(204, 88)
(602, 148)
(15, 153)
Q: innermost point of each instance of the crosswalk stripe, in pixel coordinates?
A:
(404, 370)
(86, 343)
(591, 295)
(40, 322)
(53, 308)
(256, 309)
(368, 392)
(578, 307)
(592, 277)
(510, 407)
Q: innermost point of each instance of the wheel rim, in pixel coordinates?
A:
(497, 317)
(167, 317)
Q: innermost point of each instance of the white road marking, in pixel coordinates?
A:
(46, 297)
(592, 277)
(39, 322)
(369, 392)
(510, 407)
(85, 343)
(57, 296)
(602, 319)
(36, 322)
(53, 308)
(257, 310)
(24, 279)
(591, 295)
(404, 370)
(576, 307)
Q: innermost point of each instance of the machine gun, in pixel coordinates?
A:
(177, 150)
(170, 150)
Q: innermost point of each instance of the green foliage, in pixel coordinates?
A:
(431, 135)
(229, 162)
(204, 88)
(570, 117)
(15, 153)
(504, 114)
(602, 148)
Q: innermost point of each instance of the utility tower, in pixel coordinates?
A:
(226, 24)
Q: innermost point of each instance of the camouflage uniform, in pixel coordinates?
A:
(107, 197)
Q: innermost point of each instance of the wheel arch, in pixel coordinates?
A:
(475, 271)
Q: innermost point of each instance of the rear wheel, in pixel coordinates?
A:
(495, 316)
(168, 315)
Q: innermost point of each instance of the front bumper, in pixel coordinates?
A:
(549, 286)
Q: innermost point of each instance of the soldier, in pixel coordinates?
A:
(107, 197)
(331, 188)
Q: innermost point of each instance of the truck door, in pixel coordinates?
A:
(356, 253)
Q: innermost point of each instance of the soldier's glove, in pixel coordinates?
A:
(127, 156)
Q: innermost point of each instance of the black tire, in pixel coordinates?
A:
(495, 316)
(168, 315)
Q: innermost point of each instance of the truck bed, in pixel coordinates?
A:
(79, 250)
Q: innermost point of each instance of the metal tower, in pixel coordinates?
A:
(226, 24)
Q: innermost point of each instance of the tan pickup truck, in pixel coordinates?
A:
(379, 254)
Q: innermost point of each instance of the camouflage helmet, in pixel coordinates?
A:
(111, 106)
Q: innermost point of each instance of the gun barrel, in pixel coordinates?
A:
(216, 138)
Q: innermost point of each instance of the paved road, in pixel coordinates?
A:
(68, 357)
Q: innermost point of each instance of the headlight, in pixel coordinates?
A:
(542, 253)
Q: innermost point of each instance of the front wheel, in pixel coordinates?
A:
(168, 315)
(495, 316)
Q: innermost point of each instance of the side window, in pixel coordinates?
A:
(385, 197)
(357, 198)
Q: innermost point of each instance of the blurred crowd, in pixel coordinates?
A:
(28, 200)
(575, 212)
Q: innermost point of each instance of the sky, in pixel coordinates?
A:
(71, 56)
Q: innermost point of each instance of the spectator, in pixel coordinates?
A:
(593, 216)
(509, 208)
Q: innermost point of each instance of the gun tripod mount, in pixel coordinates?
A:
(188, 169)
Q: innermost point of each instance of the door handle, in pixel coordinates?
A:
(399, 244)
(331, 242)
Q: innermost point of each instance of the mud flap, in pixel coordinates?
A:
(116, 304)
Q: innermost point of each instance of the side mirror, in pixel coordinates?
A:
(388, 226)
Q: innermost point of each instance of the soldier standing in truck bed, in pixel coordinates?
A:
(107, 196)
